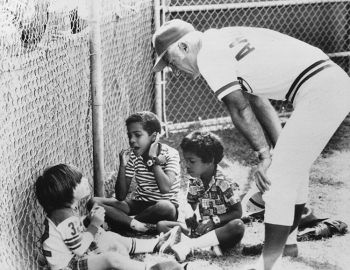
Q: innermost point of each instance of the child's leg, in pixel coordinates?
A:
(117, 212)
(110, 241)
(161, 210)
(230, 234)
(166, 225)
(226, 236)
(108, 260)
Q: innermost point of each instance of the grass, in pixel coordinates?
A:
(329, 197)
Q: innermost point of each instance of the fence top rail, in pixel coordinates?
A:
(171, 9)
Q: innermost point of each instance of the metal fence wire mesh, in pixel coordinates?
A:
(322, 23)
(127, 68)
(46, 104)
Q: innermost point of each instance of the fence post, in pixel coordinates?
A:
(158, 80)
(97, 97)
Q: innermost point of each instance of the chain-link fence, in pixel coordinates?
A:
(322, 23)
(46, 103)
(127, 68)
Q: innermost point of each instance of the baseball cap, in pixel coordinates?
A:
(166, 35)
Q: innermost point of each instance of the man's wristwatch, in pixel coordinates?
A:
(216, 220)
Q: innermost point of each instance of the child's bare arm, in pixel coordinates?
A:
(164, 179)
(122, 184)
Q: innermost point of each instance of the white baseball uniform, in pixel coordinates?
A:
(273, 65)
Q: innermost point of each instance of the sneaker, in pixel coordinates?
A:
(180, 252)
(168, 239)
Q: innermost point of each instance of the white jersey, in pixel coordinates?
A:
(258, 60)
(61, 242)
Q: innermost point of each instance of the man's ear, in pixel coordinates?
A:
(183, 46)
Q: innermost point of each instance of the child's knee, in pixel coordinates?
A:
(92, 202)
(166, 208)
(236, 226)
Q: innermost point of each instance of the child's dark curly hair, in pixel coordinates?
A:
(148, 120)
(205, 145)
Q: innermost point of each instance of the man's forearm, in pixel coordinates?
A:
(267, 117)
(245, 121)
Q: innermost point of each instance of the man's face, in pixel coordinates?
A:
(139, 139)
(181, 61)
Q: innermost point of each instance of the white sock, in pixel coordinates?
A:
(292, 238)
(206, 240)
(138, 226)
(142, 245)
(184, 237)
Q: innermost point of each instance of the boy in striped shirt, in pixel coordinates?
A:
(156, 169)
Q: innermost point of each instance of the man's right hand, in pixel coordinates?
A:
(261, 180)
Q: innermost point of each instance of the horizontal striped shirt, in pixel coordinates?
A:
(146, 185)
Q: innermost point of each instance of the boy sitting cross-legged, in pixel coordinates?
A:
(156, 169)
(217, 197)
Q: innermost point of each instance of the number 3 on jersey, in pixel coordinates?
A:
(74, 230)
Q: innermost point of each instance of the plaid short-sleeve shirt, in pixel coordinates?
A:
(220, 196)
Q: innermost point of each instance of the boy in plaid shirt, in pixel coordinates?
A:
(216, 197)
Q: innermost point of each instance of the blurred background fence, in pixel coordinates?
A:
(46, 103)
(322, 23)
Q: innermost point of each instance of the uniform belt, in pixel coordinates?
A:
(305, 75)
